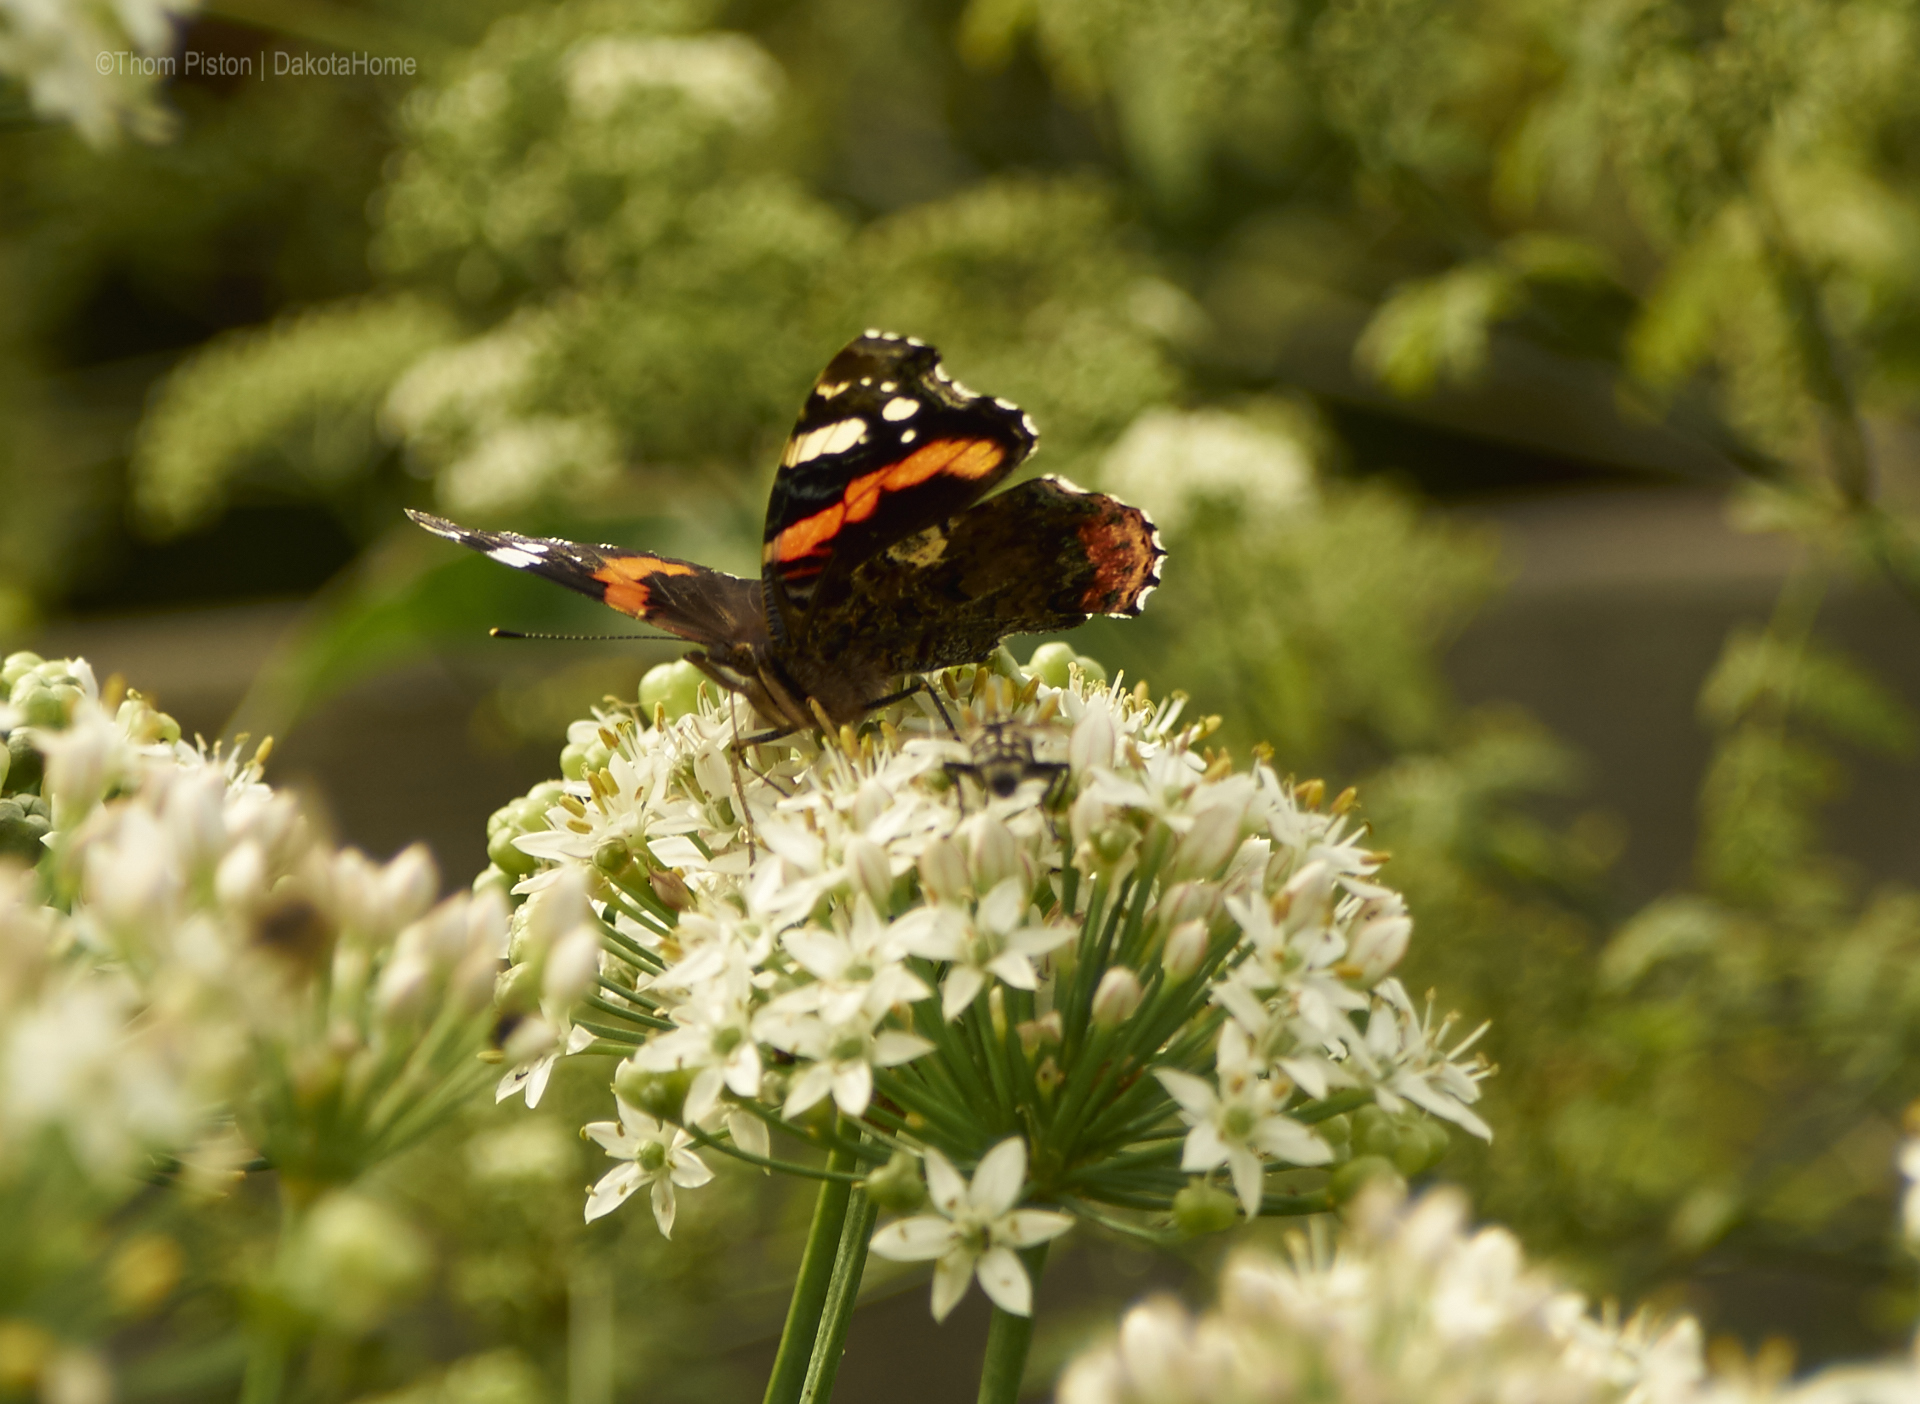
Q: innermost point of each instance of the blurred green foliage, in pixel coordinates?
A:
(578, 277)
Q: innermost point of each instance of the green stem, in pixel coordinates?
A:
(1008, 1337)
(842, 1293)
(809, 1289)
(266, 1367)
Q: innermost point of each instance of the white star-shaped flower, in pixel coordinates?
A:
(975, 1231)
(1240, 1122)
(655, 1154)
(997, 942)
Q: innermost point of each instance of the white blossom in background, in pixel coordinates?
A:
(1411, 1307)
(188, 974)
(1169, 461)
(92, 63)
(1172, 971)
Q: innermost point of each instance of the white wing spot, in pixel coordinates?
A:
(514, 556)
(827, 392)
(902, 408)
(877, 334)
(960, 389)
(907, 436)
(828, 438)
(1005, 404)
(866, 380)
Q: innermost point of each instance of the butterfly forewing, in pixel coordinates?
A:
(887, 445)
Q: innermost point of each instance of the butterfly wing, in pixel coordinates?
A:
(886, 445)
(701, 605)
(1039, 557)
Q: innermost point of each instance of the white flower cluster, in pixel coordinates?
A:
(1411, 1306)
(187, 972)
(91, 62)
(957, 936)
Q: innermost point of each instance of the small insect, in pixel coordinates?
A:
(1002, 757)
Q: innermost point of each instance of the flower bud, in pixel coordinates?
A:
(1202, 1208)
(994, 853)
(613, 857)
(1377, 945)
(661, 1095)
(896, 1187)
(1205, 848)
(517, 990)
(1114, 842)
(943, 871)
(407, 885)
(1185, 951)
(1116, 997)
(674, 687)
(1306, 902)
(572, 966)
(1051, 663)
(871, 872)
(1045, 1032)
(241, 878)
(403, 985)
(1349, 1181)
(670, 889)
(1094, 738)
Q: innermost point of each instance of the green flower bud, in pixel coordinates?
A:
(1116, 997)
(504, 856)
(1091, 668)
(24, 764)
(674, 686)
(613, 857)
(1051, 662)
(1374, 1132)
(573, 761)
(495, 879)
(6, 764)
(1337, 1132)
(896, 1186)
(1423, 1142)
(1345, 1183)
(1203, 1208)
(517, 990)
(21, 830)
(50, 707)
(662, 1096)
(1114, 842)
(17, 666)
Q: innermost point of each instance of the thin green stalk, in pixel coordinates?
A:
(832, 1174)
(1008, 1337)
(809, 1288)
(266, 1368)
(843, 1292)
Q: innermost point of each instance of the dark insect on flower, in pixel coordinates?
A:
(1001, 757)
(880, 558)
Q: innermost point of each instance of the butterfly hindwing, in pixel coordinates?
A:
(887, 445)
(1042, 556)
(702, 605)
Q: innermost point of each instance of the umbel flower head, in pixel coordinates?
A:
(1111, 973)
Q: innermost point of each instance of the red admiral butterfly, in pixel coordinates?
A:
(880, 559)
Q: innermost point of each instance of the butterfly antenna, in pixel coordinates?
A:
(582, 638)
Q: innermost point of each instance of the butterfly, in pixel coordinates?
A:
(883, 556)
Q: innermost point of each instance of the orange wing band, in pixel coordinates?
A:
(950, 458)
(626, 580)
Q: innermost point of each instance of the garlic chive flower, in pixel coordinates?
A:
(189, 976)
(975, 1230)
(655, 1156)
(1144, 972)
(1410, 1306)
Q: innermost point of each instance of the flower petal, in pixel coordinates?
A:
(999, 1178)
(950, 1280)
(946, 1187)
(915, 1240)
(957, 991)
(613, 1189)
(663, 1205)
(1005, 1280)
(1025, 1227)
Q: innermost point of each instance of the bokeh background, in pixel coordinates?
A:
(1527, 390)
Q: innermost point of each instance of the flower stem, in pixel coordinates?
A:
(1008, 1337)
(844, 1290)
(810, 1288)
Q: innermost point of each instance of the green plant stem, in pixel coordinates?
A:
(266, 1367)
(810, 1288)
(1008, 1337)
(842, 1293)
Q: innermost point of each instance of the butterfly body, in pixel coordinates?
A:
(879, 558)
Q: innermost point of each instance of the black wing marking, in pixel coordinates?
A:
(887, 445)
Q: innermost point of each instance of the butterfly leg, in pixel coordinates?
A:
(919, 684)
(739, 785)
